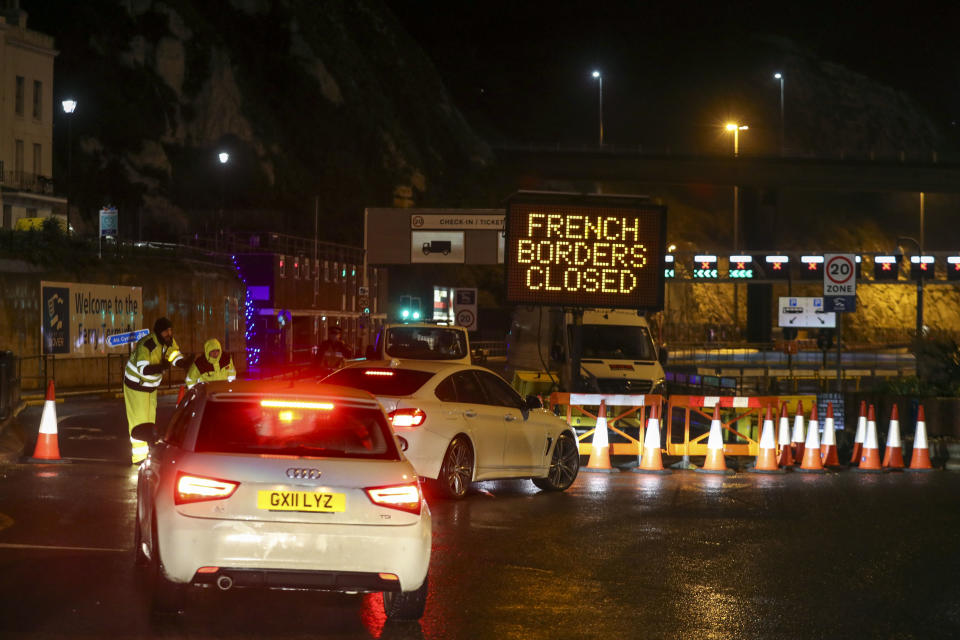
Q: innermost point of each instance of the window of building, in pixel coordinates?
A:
(19, 96)
(37, 160)
(37, 99)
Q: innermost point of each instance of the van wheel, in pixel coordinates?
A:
(405, 605)
(564, 465)
(456, 472)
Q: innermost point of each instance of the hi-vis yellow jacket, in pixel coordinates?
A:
(208, 369)
(148, 351)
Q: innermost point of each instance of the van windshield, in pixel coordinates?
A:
(617, 342)
(425, 343)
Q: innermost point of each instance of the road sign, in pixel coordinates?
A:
(465, 307)
(805, 313)
(118, 339)
(840, 282)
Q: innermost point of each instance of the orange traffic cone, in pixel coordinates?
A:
(652, 462)
(715, 462)
(798, 438)
(767, 456)
(48, 448)
(786, 452)
(182, 392)
(893, 454)
(599, 461)
(861, 432)
(811, 449)
(920, 461)
(828, 445)
(870, 458)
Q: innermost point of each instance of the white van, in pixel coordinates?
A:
(618, 354)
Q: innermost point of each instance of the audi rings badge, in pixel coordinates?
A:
(303, 473)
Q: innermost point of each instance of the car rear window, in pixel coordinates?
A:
(379, 381)
(316, 427)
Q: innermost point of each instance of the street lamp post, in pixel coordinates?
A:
(599, 77)
(69, 106)
(736, 128)
(783, 136)
(224, 158)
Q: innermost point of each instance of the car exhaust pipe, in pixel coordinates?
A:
(224, 582)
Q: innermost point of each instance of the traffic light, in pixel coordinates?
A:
(953, 268)
(741, 268)
(812, 267)
(922, 267)
(886, 267)
(669, 270)
(777, 267)
(410, 308)
(705, 267)
(415, 313)
(404, 307)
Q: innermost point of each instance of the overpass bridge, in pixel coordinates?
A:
(930, 172)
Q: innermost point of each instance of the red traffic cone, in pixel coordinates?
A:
(652, 461)
(599, 461)
(797, 440)
(786, 452)
(182, 392)
(828, 445)
(811, 449)
(767, 455)
(48, 447)
(870, 458)
(920, 461)
(861, 432)
(715, 462)
(893, 454)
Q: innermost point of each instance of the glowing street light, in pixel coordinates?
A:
(69, 106)
(736, 128)
(596, 74)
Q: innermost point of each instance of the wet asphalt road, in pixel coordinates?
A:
(617, 556)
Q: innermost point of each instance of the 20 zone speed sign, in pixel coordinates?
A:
(839, 275)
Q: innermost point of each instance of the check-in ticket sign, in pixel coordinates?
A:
(585, 251)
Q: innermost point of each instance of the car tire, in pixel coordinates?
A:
(564, 465)
(456, 472)
(405, 605)
(166, 597)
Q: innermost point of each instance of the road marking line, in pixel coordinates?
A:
(7, 545)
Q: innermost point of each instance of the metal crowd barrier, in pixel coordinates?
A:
(617, 407)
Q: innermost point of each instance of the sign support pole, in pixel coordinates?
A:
(839, 340)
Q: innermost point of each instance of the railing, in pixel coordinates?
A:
(24, 181)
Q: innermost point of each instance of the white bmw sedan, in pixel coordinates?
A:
(281, 485)
(464, 423)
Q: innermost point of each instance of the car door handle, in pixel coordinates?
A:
(509, 417)
(469, 413)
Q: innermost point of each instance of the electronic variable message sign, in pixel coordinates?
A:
(741, 268)
(585, 250)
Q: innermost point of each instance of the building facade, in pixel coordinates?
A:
(26, 120)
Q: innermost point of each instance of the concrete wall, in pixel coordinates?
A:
(203, 301)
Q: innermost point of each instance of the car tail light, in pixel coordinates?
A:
(377, 372)
(191, 488)
(405, 497)
(407, 417)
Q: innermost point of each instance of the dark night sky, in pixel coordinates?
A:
(521, 68)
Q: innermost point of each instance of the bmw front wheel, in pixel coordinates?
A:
(564, 465)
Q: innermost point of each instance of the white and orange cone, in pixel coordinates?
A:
(920, 460)
(870, 456)
(715, 462)
(893, 454)
(861, 432)
(828, 444)
(48, 447)
(786, 452)
(652, 461)
(797, 440)
(811, 450)
(599, 461)
(767, 455)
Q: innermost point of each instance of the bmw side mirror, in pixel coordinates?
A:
(402, 443)
(146, 432)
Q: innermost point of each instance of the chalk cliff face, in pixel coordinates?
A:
(311, 99)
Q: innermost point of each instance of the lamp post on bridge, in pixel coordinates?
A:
(596, 74)
(69, 106)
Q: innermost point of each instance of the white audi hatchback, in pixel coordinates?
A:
(281, 485)
(465, 423)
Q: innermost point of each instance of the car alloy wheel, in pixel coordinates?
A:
(564, 465)
(456, 472)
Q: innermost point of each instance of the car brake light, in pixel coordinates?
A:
(407, 417)
(405, 497)
(191, 488)
(377, 372)
(295, 404)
